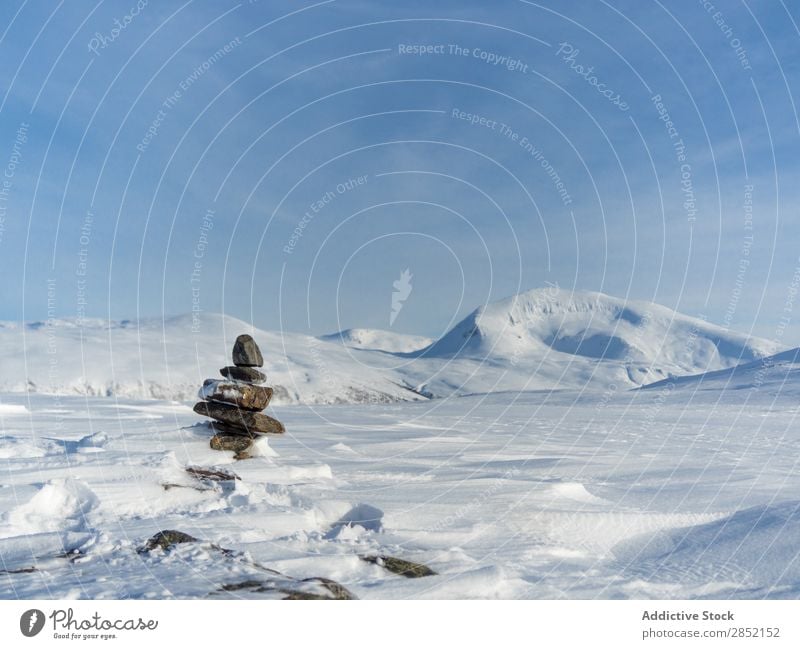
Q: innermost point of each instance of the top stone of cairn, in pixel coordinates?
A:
(246, 353)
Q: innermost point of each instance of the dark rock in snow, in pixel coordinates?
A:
(239, 444)
(243, 395)
(252, 422)
(246, 353)
(312, 588)
(402, 567)
(247, 374)
(230, 430)
(214, 475)
(165, 539)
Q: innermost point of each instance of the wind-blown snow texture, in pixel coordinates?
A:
(540, 340)
(550, 480)
(554, 495)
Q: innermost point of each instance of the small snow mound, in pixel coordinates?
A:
(94, 442)
(14, 447)
(60, 505)
(363, 516)
(574, 491)
(343, 448)
(261, 448)
(7, 409)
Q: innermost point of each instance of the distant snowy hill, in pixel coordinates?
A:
(556, 339)
(378, 339)
(779, 373)
(169, 360)
(539, 340)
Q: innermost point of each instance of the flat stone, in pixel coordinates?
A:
(212, 475)
(251, 422)
(246, 353)
(231, 430)
(248, 374)
(239, 444)
(243, 395)
(288, 588)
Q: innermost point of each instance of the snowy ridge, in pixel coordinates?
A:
(168, 359)
(378, 339)
(779, 373)
(545, 339)
(555, 339)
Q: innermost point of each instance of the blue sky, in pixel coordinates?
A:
(198, 136)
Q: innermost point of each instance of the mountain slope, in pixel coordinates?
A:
(779, 373)
(549, 338)
(378, 339)
(169, 360)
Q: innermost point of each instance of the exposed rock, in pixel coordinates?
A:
(313, 588)
(243, 395)
(165, 539)
(19, 571)
(174, 485)
(402, 567)
(231, 430)
(251, 422)
(335, 588)
(214, 475)
(248, 374)
(246, 353)
(239, 444)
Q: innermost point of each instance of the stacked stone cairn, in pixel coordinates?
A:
(235, 403)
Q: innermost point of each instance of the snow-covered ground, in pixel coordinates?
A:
(660, 493)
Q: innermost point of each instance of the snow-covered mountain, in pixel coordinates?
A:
(378, 339)
(557, 339)
(169, 359)
(779, 373)
(539, 340)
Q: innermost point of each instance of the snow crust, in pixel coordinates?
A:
(645, 494)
